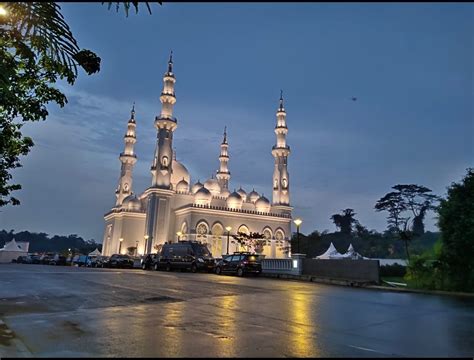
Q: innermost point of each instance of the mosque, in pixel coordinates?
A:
(174, 209)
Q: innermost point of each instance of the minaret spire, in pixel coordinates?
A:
(165, 124)
(281, 184)
(128, 159)
(223, 174)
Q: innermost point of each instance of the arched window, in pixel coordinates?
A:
(275, 184)
(284, 183)
(244, 229)
(164, 161)
(125, 187)
(201, 231)
(216, 247)
(279, 235)
(184, 228)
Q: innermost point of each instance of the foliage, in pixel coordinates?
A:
(346, 221)
(131, 250)
(456, 222)
(254, 241)
(407, 202)
(41, 242)
(394, 270)
(37, 48)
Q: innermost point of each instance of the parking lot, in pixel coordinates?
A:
(70, 311)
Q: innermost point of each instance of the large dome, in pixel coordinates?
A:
(242, 194)
(196, 187)
(182, 186)
(202, 197)
(262, 204)
(132, 203)
(213, 186)
(179, 173)
(234, 201)
(253, 196)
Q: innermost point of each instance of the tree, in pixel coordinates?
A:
(345, 222)
(456, 222)
(253, 240)
(407, 202)
(37, 48)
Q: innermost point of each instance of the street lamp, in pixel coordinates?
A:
(146, 244)
(3, 11)
(179, 233)
(120, 245)
(228, 228)
(136, 248)
(298, 222)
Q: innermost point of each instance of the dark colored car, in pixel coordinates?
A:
(80, 260)
(119, 261)
(239, 263)
(34, 259)
(23, 259)
(185, 255)
(150, 262)
(46, 258)
(57, 260)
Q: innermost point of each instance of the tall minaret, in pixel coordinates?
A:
(281, 182)
(128, 159)
(166, 124)
(223, 175)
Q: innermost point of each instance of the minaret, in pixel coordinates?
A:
(281, 183)
(128, 159)
(223, 175)
(165, 124)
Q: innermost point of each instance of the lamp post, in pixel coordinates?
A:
(120, 245)
(228, 228)
(179, 233)
(136, 248)
(146, 244)
(298, 222)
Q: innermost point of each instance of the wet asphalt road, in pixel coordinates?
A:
(64, 311)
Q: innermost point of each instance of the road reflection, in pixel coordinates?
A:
(172, 320)
(302, 325)
(227, 320)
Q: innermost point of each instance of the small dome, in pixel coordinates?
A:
(225, 192)
(131, 202)
(234, 201)
(182, 186)
(262, 204)
(253, 196)
(213, 186)
(202, 197)
(196, 187)
(243, 194)
(179, 172)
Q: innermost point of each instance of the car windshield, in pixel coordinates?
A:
(202, 250)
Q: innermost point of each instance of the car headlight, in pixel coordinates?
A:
(200, 260)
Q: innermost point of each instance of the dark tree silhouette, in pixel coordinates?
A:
(345, 222)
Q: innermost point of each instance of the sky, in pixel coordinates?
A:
(409, 65)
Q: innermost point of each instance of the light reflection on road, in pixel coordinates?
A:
(172, 325)
(227, 319)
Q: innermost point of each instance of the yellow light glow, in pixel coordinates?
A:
(146, 237)
(298, 221)
(228, 228)
(3, 11)
(121, 239)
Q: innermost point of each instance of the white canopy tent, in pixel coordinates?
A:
(331, 253)
(96, 252)
(352, 254)
(11, 251)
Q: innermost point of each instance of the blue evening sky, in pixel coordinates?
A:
(409, 65)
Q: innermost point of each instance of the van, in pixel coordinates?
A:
(185, 255)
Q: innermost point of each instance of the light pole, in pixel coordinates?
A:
(298, 222)
(120, 245)
(136, 248)
(146, 244)
(228, 228)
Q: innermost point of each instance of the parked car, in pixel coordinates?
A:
(57, 259)
(185, 255)
(45, 258)
(150, 262)
(23, 259)
(94, 261)
(119, 261)
(239, 263)
(34, 259)
(80, 260)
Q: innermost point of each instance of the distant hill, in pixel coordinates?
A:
(370, 244)
(41, 242)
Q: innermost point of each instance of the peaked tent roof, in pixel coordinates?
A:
(331, 253)
(96, 252)
(12, 246)
(352, 254)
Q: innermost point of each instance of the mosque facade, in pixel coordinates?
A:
(174, 209)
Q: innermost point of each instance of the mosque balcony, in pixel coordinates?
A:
(242, 211)
(123, 210)
(128, 155)
(275, 147)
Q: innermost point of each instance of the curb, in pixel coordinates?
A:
(420, 291)
(315, 279)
